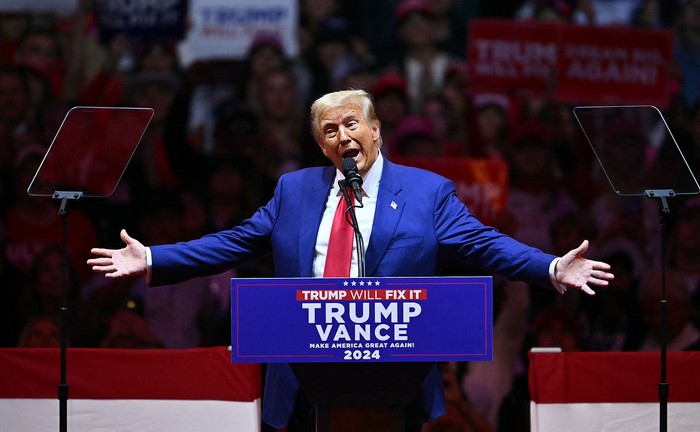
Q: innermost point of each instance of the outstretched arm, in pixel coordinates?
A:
(118, 263)
(575, 271)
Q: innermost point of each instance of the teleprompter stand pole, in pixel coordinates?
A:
(63, 323)
(664, 213)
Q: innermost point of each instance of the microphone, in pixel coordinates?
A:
(353, 178)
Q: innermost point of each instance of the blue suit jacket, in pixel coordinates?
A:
(419, 225)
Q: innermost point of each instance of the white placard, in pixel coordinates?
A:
(222, 29)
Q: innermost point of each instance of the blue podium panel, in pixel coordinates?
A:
(303, 320)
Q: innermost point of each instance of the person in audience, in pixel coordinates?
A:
(127, 329)
(489, 383)
(391, 104)
(335, 49)
(681, 333)
(16, 115)
(43, 296)
(437, 111)
(280, 139)
(555, 327)
(614, 322)
(13, 280)
(149, 166)
(491, 126)
(460, 415)
(265, 54)
(558, 327)
(536, 196)
(687, 51)
(12, 26)
(683, 252)
(415, 137)
(423, 62)
(33, 223)
(40, 332)
(40, 49)
(620, 208)
(181, 315)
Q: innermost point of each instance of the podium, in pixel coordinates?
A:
(362, 348)
(362, 396)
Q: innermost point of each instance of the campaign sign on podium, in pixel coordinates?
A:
(302, 320)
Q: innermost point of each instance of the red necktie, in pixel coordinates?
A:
(339, 253)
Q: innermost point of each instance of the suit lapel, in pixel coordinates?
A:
(312, 205)
(386, 217)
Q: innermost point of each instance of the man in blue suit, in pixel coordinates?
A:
(412, 220)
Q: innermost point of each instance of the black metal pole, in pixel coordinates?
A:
(664, 212)
(64, 196)
(63, 385)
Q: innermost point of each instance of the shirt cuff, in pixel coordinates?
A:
(553, 278)
(149, 262)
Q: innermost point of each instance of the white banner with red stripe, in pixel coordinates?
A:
(612, 391)
(130, 390)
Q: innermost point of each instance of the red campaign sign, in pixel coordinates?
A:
(581, 64)
(505, 55)
(615, 66)
(346, 294)
(482, 184)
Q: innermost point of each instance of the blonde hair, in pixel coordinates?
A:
(359, 98)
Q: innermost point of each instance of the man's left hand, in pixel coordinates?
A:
(575, 271)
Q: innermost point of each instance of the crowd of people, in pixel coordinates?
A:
(224, 131)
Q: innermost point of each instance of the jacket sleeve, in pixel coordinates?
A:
(217, 252)
(464, 238)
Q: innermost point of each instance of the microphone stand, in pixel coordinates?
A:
(352, 220)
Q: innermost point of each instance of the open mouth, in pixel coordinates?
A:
(351, 153)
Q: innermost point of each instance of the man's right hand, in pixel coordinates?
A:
(118, 263)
